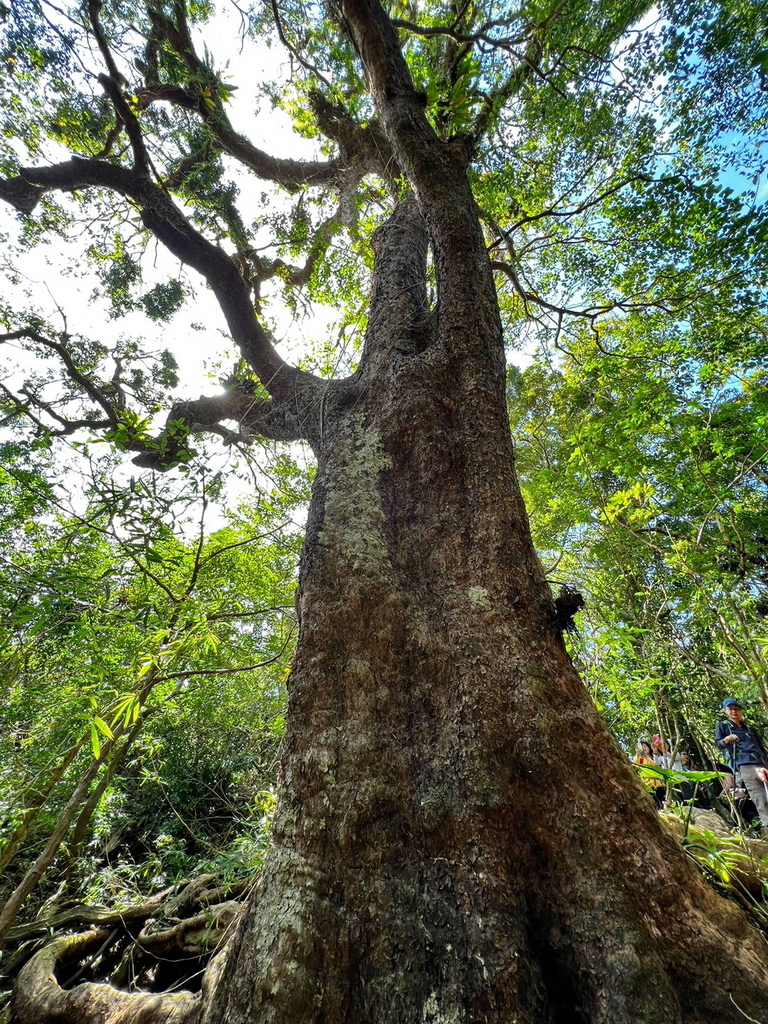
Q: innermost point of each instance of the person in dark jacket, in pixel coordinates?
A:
(746, 754)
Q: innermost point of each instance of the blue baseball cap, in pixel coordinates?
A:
(730, 702)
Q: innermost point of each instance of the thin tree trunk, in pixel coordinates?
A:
(90, 805)
(67, 816)
(20, 834)
(51, 848)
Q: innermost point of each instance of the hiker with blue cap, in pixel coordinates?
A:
(746, 754)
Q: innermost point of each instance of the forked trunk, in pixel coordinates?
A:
(458, 839)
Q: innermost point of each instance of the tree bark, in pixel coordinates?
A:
(458, 838)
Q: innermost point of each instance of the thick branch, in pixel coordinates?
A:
(365, 149)
(112, 85)
(161, 216)
(20, 194)
(279, 421)
(291, 174)
(422, 155)
(366, 146)
(397, 321)
(481, 35)
(436, 171)
(363, 145)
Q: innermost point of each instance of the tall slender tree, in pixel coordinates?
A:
(457, 838)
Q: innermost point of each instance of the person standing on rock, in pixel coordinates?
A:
(746, 754)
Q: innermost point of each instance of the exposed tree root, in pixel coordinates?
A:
(144, 955)
(39, 994)
(77, 917)
(160, 946)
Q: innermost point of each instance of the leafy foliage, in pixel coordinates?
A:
(645, 473)
(119, 617)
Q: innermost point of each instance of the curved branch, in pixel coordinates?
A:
(365, 148)
(590, 313)
(294, 51)
(164, 219)
(112, 85)
(357, 144)
(291, 174)
(73, 371)
(595, 199)
(23, 407)
(257, 269)
(288, 419)
(481, 35)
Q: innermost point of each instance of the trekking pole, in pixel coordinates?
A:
(741, 824)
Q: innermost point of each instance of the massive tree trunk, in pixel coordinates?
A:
(458, 838)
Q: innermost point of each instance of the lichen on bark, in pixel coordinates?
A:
(353, 519)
